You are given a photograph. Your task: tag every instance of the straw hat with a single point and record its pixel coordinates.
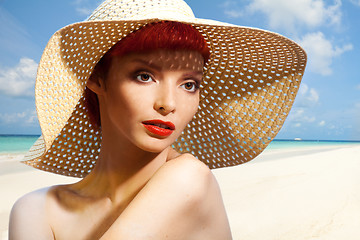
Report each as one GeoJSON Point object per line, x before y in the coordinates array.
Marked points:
{"type": "Point", "coordinates": [249, 86]}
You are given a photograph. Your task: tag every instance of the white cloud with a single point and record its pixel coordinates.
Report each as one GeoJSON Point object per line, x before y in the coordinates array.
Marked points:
{"type": "Point", "coordinates": [285, 14]}
{"type": "Point", "coordinates": [19, 80]}
{"type": "Point", "coordinates": [302, 112]}
{"type": "Point", "coordinates": [307, 97]}
{"type": "Point", "coordinates": [358, 87]}
{"type": "Point", "coordinates": [356, 2]}
{"type": "Point", "coordinates": [84, 11]}
{"type": "Point", "coordinates": [297, 125]}
{"type": "Point", "coordinates": [232, 10]}
{"type": "Point", "coordinates": [85, 7]}
{"type": "Point", "coordinates": [321, 52]}
{"type": "Point", "coordinates": [28, 118]}
{"type": "Point", "coordinates": [302, 115]}
{"type": "Point", "coordinates": [322, 123]}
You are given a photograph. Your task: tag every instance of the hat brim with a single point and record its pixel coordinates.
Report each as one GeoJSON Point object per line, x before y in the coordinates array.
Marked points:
{"type": "Point", "coordinates": [249, 86]}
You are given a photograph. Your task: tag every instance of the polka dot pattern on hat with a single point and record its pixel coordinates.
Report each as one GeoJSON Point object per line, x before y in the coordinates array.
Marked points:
{"type": "Point", "coordinates": [249, 86]}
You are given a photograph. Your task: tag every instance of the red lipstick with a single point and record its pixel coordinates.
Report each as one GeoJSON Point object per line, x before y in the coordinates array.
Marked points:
{"type": "Point", "coordinates": [159, 127]}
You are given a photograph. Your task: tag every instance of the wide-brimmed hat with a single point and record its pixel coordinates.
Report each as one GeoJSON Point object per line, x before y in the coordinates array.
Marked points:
{"type": "Point", "coordinates": [249, 85]}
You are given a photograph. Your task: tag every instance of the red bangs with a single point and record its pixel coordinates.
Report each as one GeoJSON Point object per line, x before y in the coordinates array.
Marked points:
{"type": "Point", "coordinates": [162, 35]}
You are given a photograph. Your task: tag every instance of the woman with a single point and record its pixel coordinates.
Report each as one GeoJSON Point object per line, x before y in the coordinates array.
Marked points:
{"type": "Point", "coordinates": [139, 105]}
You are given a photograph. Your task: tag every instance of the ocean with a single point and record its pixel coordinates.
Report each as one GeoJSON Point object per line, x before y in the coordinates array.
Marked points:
{"type": "Point", "coordinates": [285, 143]}
{"type": "Point", "coordinates": [18, 144]}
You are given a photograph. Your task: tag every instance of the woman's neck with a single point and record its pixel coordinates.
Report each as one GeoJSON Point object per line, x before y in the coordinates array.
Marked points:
{"type": "Point", "coordinates": [122, 169]}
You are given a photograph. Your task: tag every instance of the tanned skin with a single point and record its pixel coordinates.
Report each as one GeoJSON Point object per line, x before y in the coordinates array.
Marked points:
{"type": "Point", "coordinates": [140, 187]}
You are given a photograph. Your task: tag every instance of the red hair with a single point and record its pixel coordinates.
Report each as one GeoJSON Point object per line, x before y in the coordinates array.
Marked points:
{"type": "Point", "coordinates": [160, 35]}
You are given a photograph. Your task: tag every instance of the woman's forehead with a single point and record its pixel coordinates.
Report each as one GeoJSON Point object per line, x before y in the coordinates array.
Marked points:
{"type": "Point", "coordinates": [169, 59]}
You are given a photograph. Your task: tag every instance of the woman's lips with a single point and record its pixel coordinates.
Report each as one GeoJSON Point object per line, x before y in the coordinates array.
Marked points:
{"type": "Point", "coordinates": [159, 127]}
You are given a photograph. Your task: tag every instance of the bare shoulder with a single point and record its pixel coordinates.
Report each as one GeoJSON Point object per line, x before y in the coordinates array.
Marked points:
{"type": "Point", "coordinates": [28, 217]}
{"type": "Point", "coordinates": [187, 168]}
{"type": "Point", "coordinates": [185, 197]}
{"type": "Point", "coordinates": [198, 185]}
{"type": "Point", "coordinates": [185, 175]}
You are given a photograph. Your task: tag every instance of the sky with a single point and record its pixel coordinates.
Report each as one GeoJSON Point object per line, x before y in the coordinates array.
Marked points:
{"type": "Point", "coordinates": [327, 106]}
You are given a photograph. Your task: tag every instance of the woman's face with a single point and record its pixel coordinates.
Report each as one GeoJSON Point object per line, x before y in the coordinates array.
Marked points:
{"type": "Point", "coordinates": [148, 98]}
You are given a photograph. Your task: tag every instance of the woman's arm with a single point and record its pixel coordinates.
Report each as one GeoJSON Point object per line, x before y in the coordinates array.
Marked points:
{"type": "Point", "coordinates": [181, 201]}
{"type": "Point", "coordinates": [28, 218]}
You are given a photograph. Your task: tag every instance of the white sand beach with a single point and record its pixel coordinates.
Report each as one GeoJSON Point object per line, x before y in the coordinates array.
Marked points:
{"type": "Point", "coordinates": [308, 193]}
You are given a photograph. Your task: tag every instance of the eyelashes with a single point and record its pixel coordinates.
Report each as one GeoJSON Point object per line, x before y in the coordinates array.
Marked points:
{"type": "Point", "coordinates": [190, 84]}
{"type": "Point", "coordinates": [144, 77]}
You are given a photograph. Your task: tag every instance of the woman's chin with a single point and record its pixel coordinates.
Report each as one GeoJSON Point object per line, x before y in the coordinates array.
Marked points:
{"type": "Point", "coordinates": [155, 145]}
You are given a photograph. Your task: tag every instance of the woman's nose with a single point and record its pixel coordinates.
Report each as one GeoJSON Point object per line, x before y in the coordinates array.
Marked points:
{"type": "Point", "coordinates": [165, 100]}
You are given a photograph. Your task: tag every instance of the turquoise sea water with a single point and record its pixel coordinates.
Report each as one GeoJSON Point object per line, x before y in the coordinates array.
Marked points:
{"type": "Point", "coordinates": [22, 143]}
{"type": "Point", "coordinates": [16, 143]}
{"type": "Point", "coordinates": [280, 144]}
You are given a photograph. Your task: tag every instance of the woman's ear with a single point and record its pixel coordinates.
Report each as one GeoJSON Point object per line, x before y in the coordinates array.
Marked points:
{"type": "Point", "coordinates": [96, 84]}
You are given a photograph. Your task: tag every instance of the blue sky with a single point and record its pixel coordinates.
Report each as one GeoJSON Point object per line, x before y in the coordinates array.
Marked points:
{"type": "Point", "coordinates": [328, 103]}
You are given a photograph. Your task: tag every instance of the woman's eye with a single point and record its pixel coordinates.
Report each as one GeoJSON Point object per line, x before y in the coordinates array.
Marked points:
{"type": "Point", "coordinates": [144, 77]}
{"type": "Point", "coordinates": [190, 86]}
